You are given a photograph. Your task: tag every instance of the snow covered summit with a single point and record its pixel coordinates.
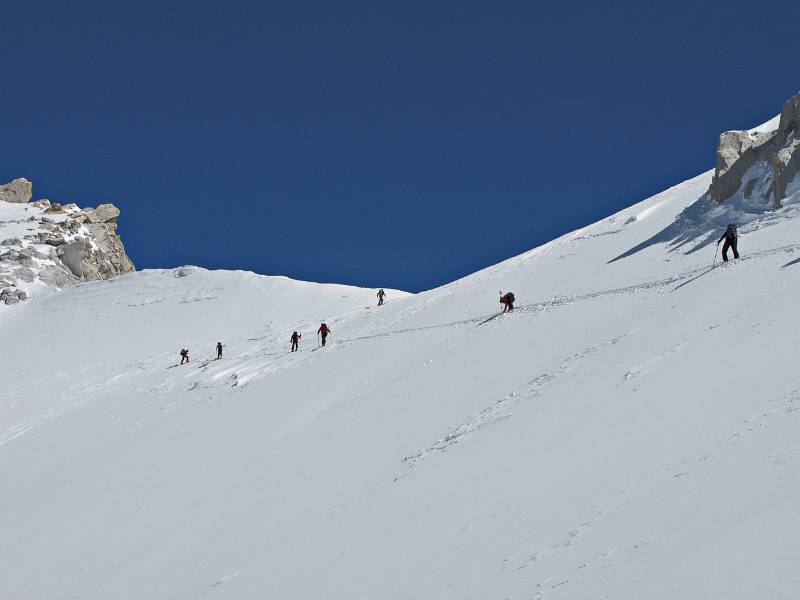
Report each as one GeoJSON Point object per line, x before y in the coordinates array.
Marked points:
{"type": "Point", "coordinates": [629, 431]}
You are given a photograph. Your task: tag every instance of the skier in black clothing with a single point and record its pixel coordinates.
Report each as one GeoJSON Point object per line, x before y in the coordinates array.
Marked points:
{"type": "Point", "coordinates": [381, 296]}
{"type": "Point", "coordinates": [295, 341]}
{"type": "Point", "coordinates": [219, 350]}
{"type": "Point", "coordinates": [731, 237]}
{"type": "Point", "coordinates": [507, 300]}
{"type": "Point", "coordinates": [184, 355]}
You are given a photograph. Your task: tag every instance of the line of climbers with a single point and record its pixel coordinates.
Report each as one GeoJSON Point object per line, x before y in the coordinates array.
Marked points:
{"type": "Point", "coordinates": [730, 235]}
{"type": "Point", "coordinates": [322, 334]}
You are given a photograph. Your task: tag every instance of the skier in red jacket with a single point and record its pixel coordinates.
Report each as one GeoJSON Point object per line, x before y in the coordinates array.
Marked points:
{"type": "Point", "coordinates": [324, 331]}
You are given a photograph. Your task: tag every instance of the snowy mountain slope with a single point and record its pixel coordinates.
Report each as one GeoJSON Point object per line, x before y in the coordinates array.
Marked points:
{"type": "Point", "coordinates": [629, 431]}
{"type": "Point", "coordinates": [128, 332]}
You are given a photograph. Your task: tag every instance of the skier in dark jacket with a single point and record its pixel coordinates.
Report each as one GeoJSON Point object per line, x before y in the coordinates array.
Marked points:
{"type": "Point", "coordinates": [219, 350]}
{"type": "Point", "coordinates": [324, 331]}
{"type": "Point", "coordinates": [731, 237]}
{"type": "Point", "coordinates": [184, 355]}
{"type": "Point", "coordinates": [295, 341]}
{"type": "Point", "coordinates": [381, 296]}
{"type": "Point", "coordinates": [507, 300]}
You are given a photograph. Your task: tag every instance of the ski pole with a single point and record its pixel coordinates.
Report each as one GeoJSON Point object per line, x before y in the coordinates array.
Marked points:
{"type": "Point", "coordinates": [715, 256]}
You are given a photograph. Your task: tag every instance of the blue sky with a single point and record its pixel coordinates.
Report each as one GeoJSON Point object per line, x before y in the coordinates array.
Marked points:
{"type": "Point", "coordinates": [379, 144]}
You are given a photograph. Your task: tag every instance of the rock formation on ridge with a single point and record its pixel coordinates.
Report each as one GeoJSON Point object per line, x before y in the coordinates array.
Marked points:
{"type": "Point", "coordinates": [45, 243]}
{"type": "Point", "coordinates": [760, 164]}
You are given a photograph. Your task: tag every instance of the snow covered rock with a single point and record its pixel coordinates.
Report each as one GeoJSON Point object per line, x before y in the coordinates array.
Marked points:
{"type": "Point", "coordinates": [57, 245]}
{"type": "Point", "coordinates": [18, 191]}
{"type": "Point", "coordinates": [761, 163]}
{"type": "Point", "coordinates": [737, 151]}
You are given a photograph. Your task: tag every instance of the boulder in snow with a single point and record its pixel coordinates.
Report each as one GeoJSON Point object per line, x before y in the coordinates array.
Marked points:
{"type": "Point", "coordinates": [105, 213]}
{"type": "Point", "coordinates": [18, 191]}
{"type": "Point", "coordinates": [72, 255]}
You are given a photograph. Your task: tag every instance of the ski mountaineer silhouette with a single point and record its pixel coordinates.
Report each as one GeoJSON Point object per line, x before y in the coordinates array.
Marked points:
{"type": "Point", "coordinates": [324, 331]}
{"type": "Point", "coordinates": [381, 296]}
{"type": "Point", "coordinates": [219, 350]}
{"type": "Point", "coordinates": [731, 237]}
{"type": "Point", "coordinates": [296, 341]}
{"type": "Point", "coordinates": [507, 300]}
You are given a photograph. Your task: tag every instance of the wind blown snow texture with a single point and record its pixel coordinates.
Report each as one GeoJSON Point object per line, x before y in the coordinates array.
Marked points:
{"type": "Point", "coordinates": [629, 431]}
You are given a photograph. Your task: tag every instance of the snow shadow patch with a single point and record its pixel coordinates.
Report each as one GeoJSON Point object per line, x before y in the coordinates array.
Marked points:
{"type": "Point", "coordinates": [791, 262]}
{"type": "Point", "coordinates": [704, 221]}
{"type": "Point", "coordinates": [696, 227]}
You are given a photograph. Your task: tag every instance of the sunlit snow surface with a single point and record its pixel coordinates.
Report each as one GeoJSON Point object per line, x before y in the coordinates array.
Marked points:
{"type": "Point", "coordinates": [630, 431]}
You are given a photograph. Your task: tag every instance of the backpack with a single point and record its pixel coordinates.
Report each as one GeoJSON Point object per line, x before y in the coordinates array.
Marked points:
{"type": "Point", "coordinates": [731, 232]}
{"type": "Point", "coordinates": [510, 297]}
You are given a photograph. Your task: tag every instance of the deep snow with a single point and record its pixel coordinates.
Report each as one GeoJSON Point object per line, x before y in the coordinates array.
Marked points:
{"type": "Point", "coordinates": [629, 431]}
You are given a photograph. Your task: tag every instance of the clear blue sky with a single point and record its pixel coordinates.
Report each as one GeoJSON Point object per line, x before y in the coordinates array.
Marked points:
{"type": "Point", "coordinates": [400, 144]}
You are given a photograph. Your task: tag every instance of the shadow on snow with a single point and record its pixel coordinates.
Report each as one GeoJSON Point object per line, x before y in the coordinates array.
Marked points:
{"type": "Point", "coordinates": [696, 226]}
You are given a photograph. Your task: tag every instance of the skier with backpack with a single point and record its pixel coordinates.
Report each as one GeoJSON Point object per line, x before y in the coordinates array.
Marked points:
{"type": "Point", "coordinates": [507, 300]}
{"type": "Point", "coordinates": [219, 350]}
{"type": "Point", "coordinates": [731, 237]}
{"type": "Point", "coordinates": [296, 341]}
{"type": "Point", "coordinates": [381, 296]}
{"type": "Point", "coordinates": [324, 331]}
{"type": "Point", "coordinates": [184, 355]}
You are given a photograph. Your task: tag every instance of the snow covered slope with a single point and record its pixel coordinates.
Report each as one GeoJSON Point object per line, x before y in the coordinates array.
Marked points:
{"type": "Point", "coordinates": [629, 431]}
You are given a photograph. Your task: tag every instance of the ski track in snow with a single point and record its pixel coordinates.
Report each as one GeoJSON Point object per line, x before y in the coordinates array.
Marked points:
{"type": "Point", "coordinates": [500, 409]}
{"type": "Point", "coordinates": [261, 360]}
{"type": "Point", "coordinates": [720, 443]}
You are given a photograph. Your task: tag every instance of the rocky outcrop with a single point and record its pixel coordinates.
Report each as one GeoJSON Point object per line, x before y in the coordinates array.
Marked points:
{"type": "Point", "coordinates": [105, 213]}
{"type": "Point", "coordinates": [18, 191]}
{"type": "Point", "coordinates": [105, 257]}
{"type": "Point", "coordinates": [786, 160]}
{"type": "Point", "coordinates": [766, 162]}
{"type": "Point", "coordinates": [64, 245]}
{"type": "Point", "coordinates": [12, 295]}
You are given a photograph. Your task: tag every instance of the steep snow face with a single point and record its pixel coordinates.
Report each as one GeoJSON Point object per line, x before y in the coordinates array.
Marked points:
{"type": "Point", "coordinates": [630, 430]}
